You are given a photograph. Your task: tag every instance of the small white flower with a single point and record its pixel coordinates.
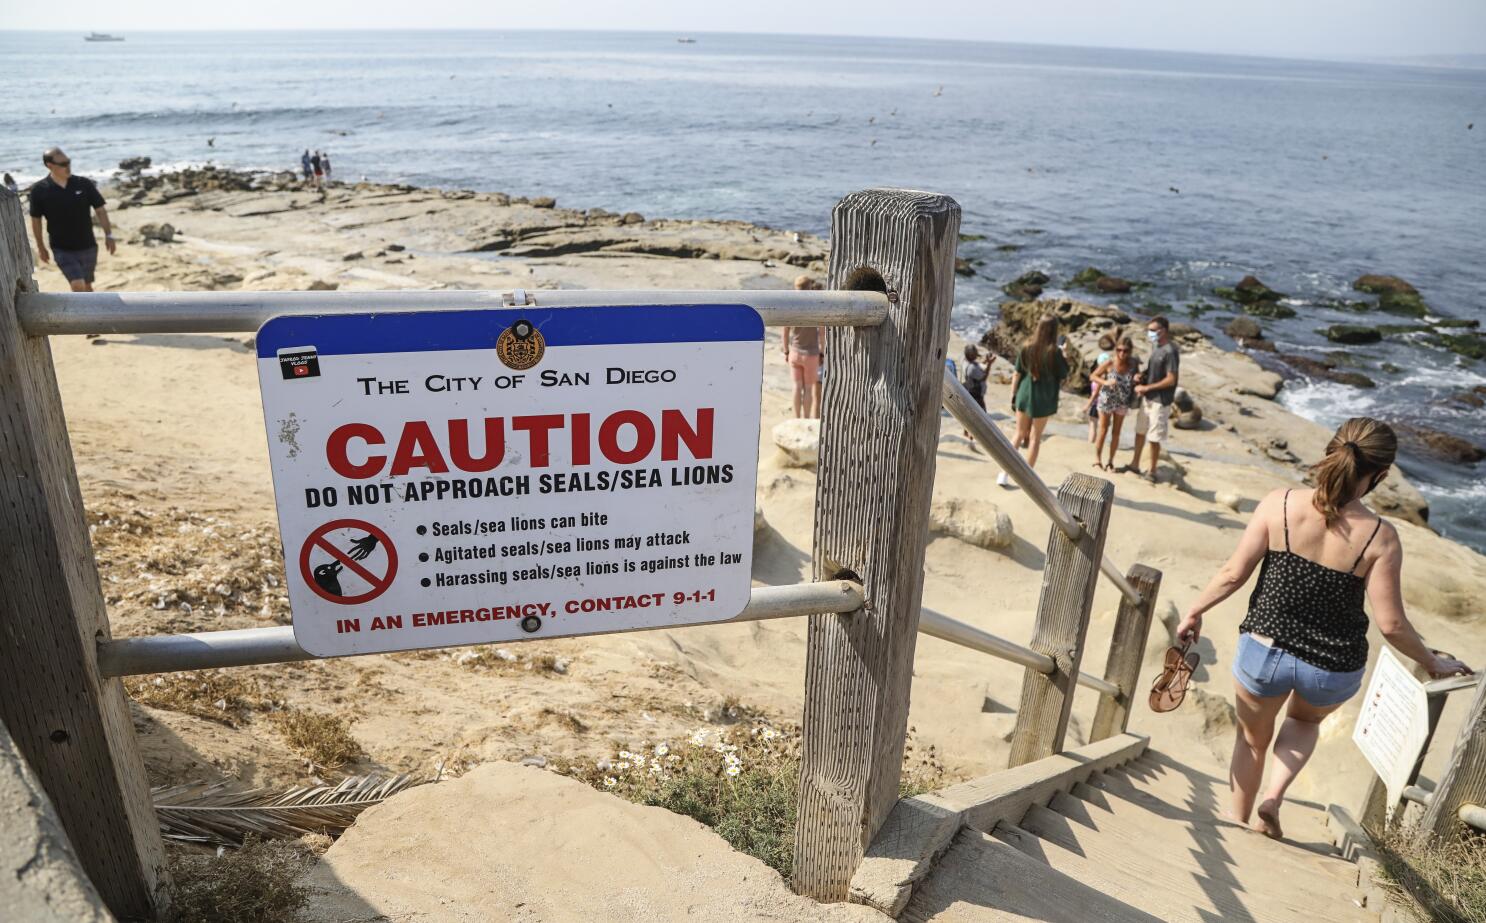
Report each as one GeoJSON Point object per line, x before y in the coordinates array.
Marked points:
{"type": "Point", "coordinates": [734, 770]}
{"type": "Point", "coordinates": [662, 749]}
{"type": "Point", "coordinates": [673, 759]}
{"type": "Point", "coordinates": [626, 755]}
{"type": "Point", "coordinates": [610, 781]}
{"type": "Point", "coordinates": [699, 738]}
{"type": "Point", "coordinates": [655, 769]}
{"type": "Point", "coordinates": [770, 733]}
{"type": "Point", "coordinates": [622, 764]}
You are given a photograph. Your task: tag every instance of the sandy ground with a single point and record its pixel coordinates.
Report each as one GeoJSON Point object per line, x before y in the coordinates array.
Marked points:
{"type": "Point", "coordinates": [168, 435]}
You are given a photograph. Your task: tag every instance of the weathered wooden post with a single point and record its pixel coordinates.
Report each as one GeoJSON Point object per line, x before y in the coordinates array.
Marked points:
{"type": "Point", "coordinates": [879, 434]}
{"type": "Point", "coordinates": [1465, 781]}
{"type": "Point", "coordinates": [70, 725]}
{"type": "Point", "coordinates": [1127, 645]}
{"type": "Point", "coordinates": [1068, 580]}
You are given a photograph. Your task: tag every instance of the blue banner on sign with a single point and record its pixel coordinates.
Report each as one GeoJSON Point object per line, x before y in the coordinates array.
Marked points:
{"type": "Point", "coordinates": [424, 331]}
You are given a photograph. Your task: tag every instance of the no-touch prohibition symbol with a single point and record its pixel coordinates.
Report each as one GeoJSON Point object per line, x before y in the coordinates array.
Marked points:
{"type": "Point", "coordinates": [324, 579]}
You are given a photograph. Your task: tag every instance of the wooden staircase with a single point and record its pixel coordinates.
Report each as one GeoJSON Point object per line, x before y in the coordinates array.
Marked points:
{"type": "Point", "coordinates": [1141, 842]}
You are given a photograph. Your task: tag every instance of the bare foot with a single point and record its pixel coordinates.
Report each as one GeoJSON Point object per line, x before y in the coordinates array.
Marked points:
{"type": "Point", "coordinates": [1267, 819]}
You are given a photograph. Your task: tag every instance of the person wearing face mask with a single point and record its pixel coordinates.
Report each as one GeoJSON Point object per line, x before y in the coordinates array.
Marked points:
{"type": "Point", "coordinates": [1155, 395]}
{"type": "Point", "coordinates": [1303, 645]}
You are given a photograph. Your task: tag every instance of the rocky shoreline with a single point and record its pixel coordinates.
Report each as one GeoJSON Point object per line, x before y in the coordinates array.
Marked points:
{"type": "Point", "coordinates": [401, 236]}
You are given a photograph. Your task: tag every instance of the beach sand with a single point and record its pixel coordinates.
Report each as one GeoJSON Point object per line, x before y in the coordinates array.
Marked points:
{"type": "Point", "coordinates": [167, 432]}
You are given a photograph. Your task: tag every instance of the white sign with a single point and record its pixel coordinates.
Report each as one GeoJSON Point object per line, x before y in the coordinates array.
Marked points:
{"type": "Point", "coordinates": [1393, 724]}
{"type": "Point", "coordinates": [457, 477]}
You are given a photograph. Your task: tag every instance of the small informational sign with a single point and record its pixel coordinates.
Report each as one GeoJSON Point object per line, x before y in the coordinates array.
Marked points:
{"type": "Point", "coordinates": [457, 477]}
{"type": "Point", "coordinates": [1393, 724]}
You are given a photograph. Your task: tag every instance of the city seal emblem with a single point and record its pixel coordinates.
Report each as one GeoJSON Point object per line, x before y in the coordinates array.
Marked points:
{"type": "Point", "coordinates": [520, 346]}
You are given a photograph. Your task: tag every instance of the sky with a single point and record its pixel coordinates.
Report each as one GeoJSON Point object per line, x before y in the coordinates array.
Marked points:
{"type": "Point", "coordinates": [1292, 28]}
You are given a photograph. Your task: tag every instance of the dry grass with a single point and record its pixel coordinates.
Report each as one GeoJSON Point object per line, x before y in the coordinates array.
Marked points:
{"type": "Point", "coordinates": [227, 697]}
{"type": "Point", "coordinates": [1447, 878]}
{"type": "Point", "coordinates": [191, 569]}
{"type": "Point", "coordinates": [741, 780]}
{"type": "Point", "coordinates": [255, 884]}
{"type": "Point", "coordinates": [324, 740]}
{"type": "Point", "coordinates": [503, 660]}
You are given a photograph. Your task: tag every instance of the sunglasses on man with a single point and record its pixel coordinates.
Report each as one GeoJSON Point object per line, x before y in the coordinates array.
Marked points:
{"type": "Point", "coordinates": [60, 163]}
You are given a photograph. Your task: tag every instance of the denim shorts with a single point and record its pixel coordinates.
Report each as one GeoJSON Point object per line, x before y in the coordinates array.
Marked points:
{"type": "Point", "coordinates": [77, 264]}
{"type": "Point", "coordinates": [1268, 671]}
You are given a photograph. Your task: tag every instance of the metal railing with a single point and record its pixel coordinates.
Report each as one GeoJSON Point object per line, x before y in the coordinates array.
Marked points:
{"type": "Point", "coordinates": [974, 418]}
{"type": "Point", "coordinates": [248, 646]}
{"type": "Point", "coordinates": [44, 314]}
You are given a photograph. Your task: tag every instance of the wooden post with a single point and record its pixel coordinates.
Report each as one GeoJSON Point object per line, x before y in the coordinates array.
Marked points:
{"type": "Point", "coordinates": [1375, 802]}
{"type": "Point", "coordinates": [1068, 580]}
{"type": "Point", "coordinates": [879, 435]}
{"type": "Point", "coordinates": [71, 726]}
{"type": "Point", "coordinates": [1465, 780]}
{"type": "Point", "coordinates": [1126, 650]}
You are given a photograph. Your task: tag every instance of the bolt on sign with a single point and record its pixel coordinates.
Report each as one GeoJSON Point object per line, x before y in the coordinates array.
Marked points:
{"type": "Point", "coordinates": [458, 477]}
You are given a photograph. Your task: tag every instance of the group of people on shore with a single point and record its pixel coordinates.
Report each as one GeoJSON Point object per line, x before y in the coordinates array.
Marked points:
{"type": "Point", "coordinates": [316, 167]}
{"type": "Point", "coordinates": [1119, 384]}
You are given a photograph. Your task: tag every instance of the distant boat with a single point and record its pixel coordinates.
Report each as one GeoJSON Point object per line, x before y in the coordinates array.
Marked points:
{"type": "Point", "coordinates": [102, 37]}
{"type": "Point", "coordinates": [687, 41]}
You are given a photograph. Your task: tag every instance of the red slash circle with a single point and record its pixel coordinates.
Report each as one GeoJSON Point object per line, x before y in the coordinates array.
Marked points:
{"type": "Point", "coordinates": [317, 538]}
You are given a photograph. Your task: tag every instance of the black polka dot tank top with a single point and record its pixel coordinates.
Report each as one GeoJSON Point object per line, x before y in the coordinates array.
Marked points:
{"type": "Point", "coordinates": [1311, 610]}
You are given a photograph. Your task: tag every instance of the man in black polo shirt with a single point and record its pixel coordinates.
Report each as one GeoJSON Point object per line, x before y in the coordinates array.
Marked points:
{"type": "Point", "coordinates": [65, 201]}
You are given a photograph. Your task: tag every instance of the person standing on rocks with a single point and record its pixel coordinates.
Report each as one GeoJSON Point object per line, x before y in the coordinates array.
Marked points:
{"type": "Point", "coordinates": [325, 164]}
{"type": "Point", "coordinates": [1303, 645]}
{"type": "Point", "coordinates": [1040, 369]}
{"type": "Point", "coordinates": [305, 165]}
{"type": "Point", "coordinates": [68, 204]}
{"type": "Point", "coordinates": [803, 350]}
{"type": "Point", "coordinates": [1155, 395]}
{"type": "Point", "coordinates": [317, 165]}
{"type": "Point", "coordinates": [1114, 379]}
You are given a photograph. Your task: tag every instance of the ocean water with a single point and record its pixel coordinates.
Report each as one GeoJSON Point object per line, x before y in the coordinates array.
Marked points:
{"type": "Point", "coordinates": [1184, 171]}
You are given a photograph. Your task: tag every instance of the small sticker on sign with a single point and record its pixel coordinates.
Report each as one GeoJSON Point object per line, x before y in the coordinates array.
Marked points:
{"type": "Point", "coordinates": [299, 362]}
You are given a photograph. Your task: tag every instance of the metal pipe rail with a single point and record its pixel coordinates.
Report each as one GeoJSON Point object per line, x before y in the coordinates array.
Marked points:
{"type": "Point", "coordinates": [1473, 815]}
{"type": "Point", "coordinates": [51, 314]}
{"type": "Point", "coordinates": [1451, 684]}
{"type": "Point", "coordinates": [945, 628]}
{"type": "Point", "coordinates": [248, 646]}
{"type": "Point", "coordinates": [1417, 794]}
{"type": "Point", "coordinates": [971, 416]}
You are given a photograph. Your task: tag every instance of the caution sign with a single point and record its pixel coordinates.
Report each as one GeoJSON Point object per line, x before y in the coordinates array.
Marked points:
{"type": "Point", "coordinates": [456, 477]}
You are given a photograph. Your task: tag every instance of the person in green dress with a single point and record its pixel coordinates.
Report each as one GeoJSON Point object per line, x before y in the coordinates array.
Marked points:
{"type": "Point", "coordinates": [1040, 369]}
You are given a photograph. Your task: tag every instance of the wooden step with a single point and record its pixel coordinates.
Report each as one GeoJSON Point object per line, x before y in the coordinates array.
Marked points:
{"type": "Point", "coordinates": [1209, 848]}
{"type": "Point", "coordinates": [1153, 849]}
{"type": "Point", "coordinates": [982, 880]}
{"type": "Point", "coordinates": [1125, 869]}
{"type": "Point", "coordinates": [1305, 826]}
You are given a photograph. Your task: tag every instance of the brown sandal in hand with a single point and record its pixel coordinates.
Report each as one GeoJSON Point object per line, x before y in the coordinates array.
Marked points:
{"type": "Point", "coordinates": [1170, 688]}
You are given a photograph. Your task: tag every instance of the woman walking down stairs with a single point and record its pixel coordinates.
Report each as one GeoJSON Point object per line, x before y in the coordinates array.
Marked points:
{"type": "Point", "coordinates": [1141, 842]}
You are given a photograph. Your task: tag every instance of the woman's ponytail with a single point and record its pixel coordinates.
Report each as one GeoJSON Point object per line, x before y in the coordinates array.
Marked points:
{"type": "Point", "coordinates": [1360, 449]}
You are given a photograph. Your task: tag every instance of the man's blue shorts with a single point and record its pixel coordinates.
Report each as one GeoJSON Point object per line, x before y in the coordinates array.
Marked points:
{"type": "Point", "coordinates": [77, 264]}
{"type": "Point", "coordinates": [1268, 671]}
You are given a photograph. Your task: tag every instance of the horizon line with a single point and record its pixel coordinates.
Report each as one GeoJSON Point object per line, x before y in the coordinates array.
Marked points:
{"type": "Point", "coordinates": [1404, 60]}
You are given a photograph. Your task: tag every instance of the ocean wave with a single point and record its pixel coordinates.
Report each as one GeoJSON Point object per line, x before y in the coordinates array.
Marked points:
{"type": "Point", "coordinates": [192, 117]}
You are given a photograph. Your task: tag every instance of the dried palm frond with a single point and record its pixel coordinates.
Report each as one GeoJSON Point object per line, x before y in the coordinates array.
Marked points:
{"type": "Point", "coordinates": [218, 815]}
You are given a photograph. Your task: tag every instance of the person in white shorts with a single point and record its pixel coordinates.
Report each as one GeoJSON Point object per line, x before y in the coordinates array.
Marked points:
{"type": "Point", "coordinates": [1156, 395]}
